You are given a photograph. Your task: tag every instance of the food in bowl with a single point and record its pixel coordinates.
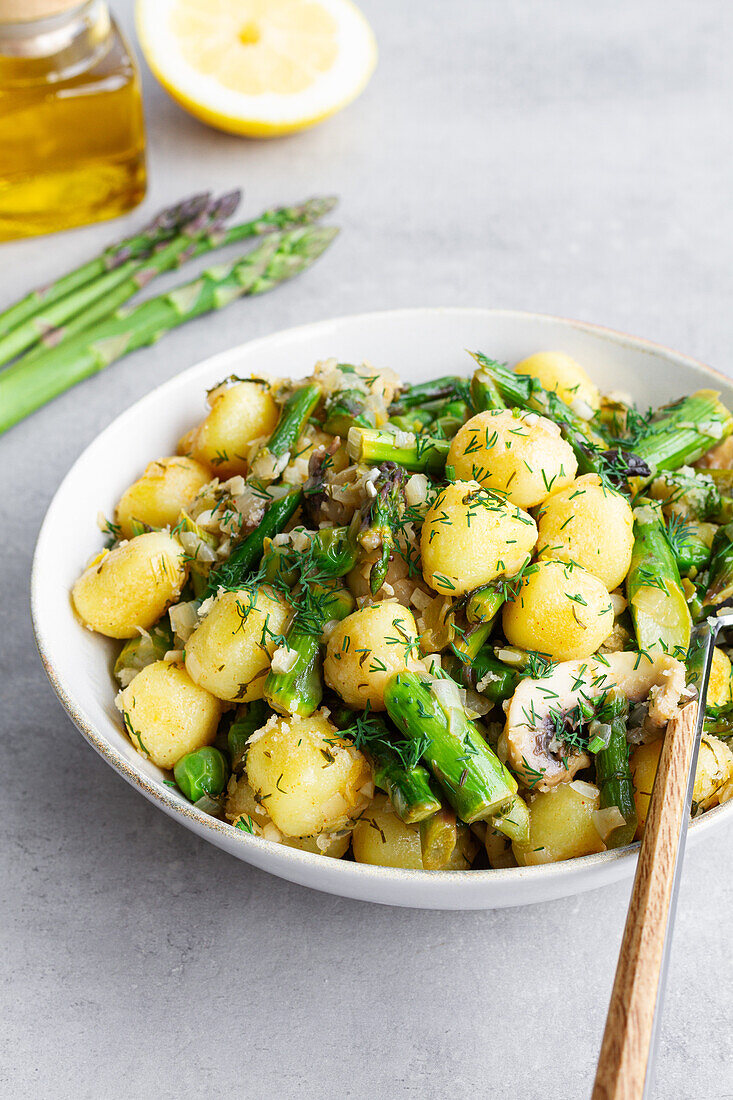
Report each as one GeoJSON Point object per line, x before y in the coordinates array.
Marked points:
{"type": "Point", "coordinates": [435, 626]}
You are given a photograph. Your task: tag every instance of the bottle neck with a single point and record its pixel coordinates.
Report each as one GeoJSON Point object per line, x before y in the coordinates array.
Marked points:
{"type": "Point", "coordinates": [56, 47]}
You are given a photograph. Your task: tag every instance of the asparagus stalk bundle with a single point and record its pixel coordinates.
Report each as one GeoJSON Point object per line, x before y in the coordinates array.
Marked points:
{"type": "Point", "coordinates": [26, 386]}
{"type": "Point", "coordinates": [163, 227]}
{"type": "Point", "coordinates": [93, 302]}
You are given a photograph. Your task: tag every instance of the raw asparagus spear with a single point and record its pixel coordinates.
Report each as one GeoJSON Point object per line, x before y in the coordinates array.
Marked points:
{"type": "Point", "coordinates": [476, 783]}
{"type": "Point", "coordinates": [165, 225]}
{"type": "Point", "coordinates": [26, 386]}
{"type": "Point", "coordinates": [656, 600]}
{"type": "Point", "coordinates": [419, 453]}
{"type": "Point", "coordinates": [613, 773]}
{"type": "Point", "coordinates": [194, 242]}
{"type": "Point", "coordinates": [96, 300]}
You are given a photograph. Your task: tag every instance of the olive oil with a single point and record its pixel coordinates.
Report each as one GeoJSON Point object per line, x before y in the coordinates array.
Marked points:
{"type": "Point", "coordinates": [72, 139]}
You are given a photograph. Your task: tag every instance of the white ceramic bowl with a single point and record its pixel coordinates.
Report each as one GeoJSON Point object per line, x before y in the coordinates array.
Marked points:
{"type": "Point", "coordinates": [419, 344]}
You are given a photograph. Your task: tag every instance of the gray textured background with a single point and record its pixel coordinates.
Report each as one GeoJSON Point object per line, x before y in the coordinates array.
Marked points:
{"type": "Point", "coordinates": [567, 157]}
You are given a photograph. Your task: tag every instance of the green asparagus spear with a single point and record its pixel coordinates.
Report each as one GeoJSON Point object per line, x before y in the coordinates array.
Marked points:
{"type": "Point", "coordinates": [420, 453]}
{"type": "Point", "coordinates": [682, 432]}
{"type": "Point", "coordinates": [249, 718]}
{"type": "Point", "coordinates": [690, 545]}
{"type": "Point", "coordinates": [613, 773]}
{"type": "Point", "coordinates": [414, 420]}
{"type": "Point", "coordinates": [450, 387]}
{"type": "Point", "coordinates": [485, 393]}
{"type": "Point", "coordinates": [718, 584]}
{"type": "Point", "coordinates": [294, 415]}
{"type": "Point", "coordinates": [438, 838]}
{"type": "Point", "coordinates": [476, 783]}
{"type": "Point", "coordinates": [409, 789]}
{"type": "Point", "coordinates": [26, 386]}
{"type": "Point", "coordinates": [656, 600]}
{"type": "Point", "coordinates": [233, 572]}
{"type": "Point", "coordinates": [482, 607]}
{"type": "Point", "coordinates": [382, 517]}
{"type": "Point", "coordinates": [192, 241]}
{"type": "Point", "coordinates": [163, 227]}
{"type": "Point", "coordinates": [96, 300]}
{"type": "Point", "coordinates": [299, 690]}
{"type": "Point", "coordinates": [394, 763]}
{"type": "Point", "coordinates": [498, 681]}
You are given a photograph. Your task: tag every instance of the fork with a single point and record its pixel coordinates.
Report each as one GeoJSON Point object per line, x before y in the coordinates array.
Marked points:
{"type": "Point", "coordinates": [625, 1064]}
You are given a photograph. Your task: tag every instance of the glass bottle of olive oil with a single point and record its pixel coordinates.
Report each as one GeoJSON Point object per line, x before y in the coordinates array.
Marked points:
{"type": "Point", "coordinates": [72, 139]}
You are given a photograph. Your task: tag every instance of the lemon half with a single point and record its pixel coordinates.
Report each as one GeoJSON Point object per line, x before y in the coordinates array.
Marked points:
{"type": "Point", "coordinates": [258, 67]}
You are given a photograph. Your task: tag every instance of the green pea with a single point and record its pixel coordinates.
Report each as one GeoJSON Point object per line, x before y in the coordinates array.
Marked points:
{"type": "Point", "coordinates": [204, 772]}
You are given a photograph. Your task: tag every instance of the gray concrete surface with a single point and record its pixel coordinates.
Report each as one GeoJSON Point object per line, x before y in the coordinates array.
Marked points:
{"type": "Point", "coordinates": [572, 158]}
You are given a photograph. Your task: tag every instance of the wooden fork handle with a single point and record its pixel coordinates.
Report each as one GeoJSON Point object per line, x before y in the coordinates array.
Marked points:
{"type": "Point", "coordinates": [629, 1026]}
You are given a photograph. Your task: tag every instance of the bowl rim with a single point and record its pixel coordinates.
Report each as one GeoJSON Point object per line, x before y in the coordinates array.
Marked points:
{"type": "Point", "coordinates": [280, 854]}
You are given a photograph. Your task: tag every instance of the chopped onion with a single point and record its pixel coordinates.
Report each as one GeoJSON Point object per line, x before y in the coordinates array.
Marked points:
{"type": "Point", "coordinates": [184, 619]}
{"type": "Point", "coordinates": [600, 731]}
{"type": "Point", "coordinates": [587, 790]}
{"type": "Point", "coordinates": [416, 489]}
{"type": "Point", "coordinates": [607, 820]}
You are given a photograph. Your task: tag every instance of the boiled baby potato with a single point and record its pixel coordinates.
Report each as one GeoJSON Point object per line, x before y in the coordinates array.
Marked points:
{"type": "Point", "coordinates": [229, 653]}
{"type": "Point", "coordinates": [471, 536]}
{"type": "Point", "coordinates": [559, 610]}
{"type": "Point", "coordinates": [519, 454]}
{"type": "Point", "coordinates": [562, 375]}
{"type": "Point", "coordinates": [713, 777]}
{"type": "Point", "coordinates": [131, 586]}
{"type": "Point", "coordinates": [243, 810]}
{"type": "Point", "coordinates": [166, 715]}
{"type": "Point", "coordinates": [366, 648]}
{"type": "Point", "coordinates": [239, 414]}
{"type": "Point", "coordinates": [720, 692]}
{"type": "Point", "coordinates": [309, 779]}
{"type": "Point", "coordinates": [382, 838]}
{"type": "Point", "coordinates": [561, 825]}
{"type": "Point", "coordinates": [156, 498]}
{"type": "Point", "coordinates": [590, 524]}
